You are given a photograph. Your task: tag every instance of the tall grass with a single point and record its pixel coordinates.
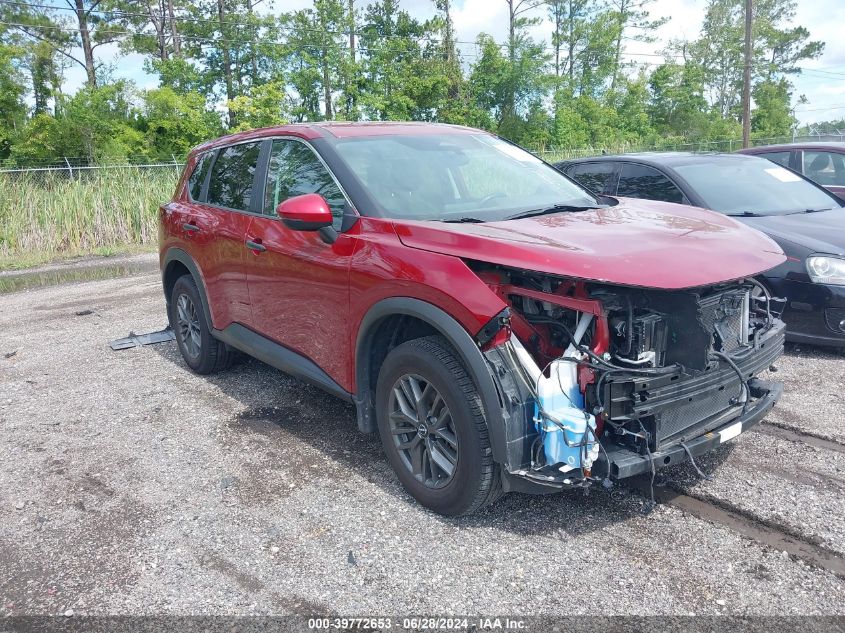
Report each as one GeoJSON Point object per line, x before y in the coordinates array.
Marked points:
{"type": "Point", "coordinates": [52, 214]}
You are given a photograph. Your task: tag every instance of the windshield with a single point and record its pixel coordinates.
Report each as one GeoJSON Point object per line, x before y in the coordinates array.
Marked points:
{"type": "Point", "coordinates": [456, 177]}
{"type": "Point", "coordinates": [756, 186]}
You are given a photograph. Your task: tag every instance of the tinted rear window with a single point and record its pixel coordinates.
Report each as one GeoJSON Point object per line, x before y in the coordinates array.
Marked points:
{"type": "Point", "coordinates": [826, 168]}
{"type": "Point", "coordinates": [640, 181]}
{"type": "Point", "coordinates": [781, 158]}
{"type": "Point", "coordinates": [232, 176]}
{"type": "Point", "coordinates": [594, 176]}
{"type": "Point", "coordinates": [198, 176]}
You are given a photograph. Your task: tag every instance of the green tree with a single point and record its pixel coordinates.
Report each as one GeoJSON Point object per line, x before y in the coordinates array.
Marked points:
{"type": "Point", "coordinates": [154, 27]}
{"type": "Point", "coordinates": [180, 74]}
{"type": "Point", "coordinates": [570, 21]}
{"type": "Point", "coordinates": [224, 42]}
{"type": "Point", "coordinates": [266, 105]}
{"type": "Point", "coordinates": [173, 123]}
{"type": "Point", "coordinates": [595, 63]}
{"type": "Point", "coordinates": [12, 92]}
{"type": "Point", "coordinates": [45, 75]}
{"type": "Point", "coordinates": [633, 22]}
{"type": "Point", "coordinates": [301, 64]}
{"type": "Point", "coordinates": [401, 77]}
{"type": "Point", "coordinates": [772, 115]}
{"type": "Point", "coordinates": [777, 48]}
{"type": "Point", "coordinates": [100, 124]}
{"type": "Point", "coordinates": [677, 105]}
{"type": "Point", "coordinates": [509, 85]}
{"type": "Point", "coordinates": [316, 52]}
{"type": "Point", "coordinates": [456, 105]}
{"type": "Point", "coordinates": [630, 100]}
{"type": "Point", "coordinates": [44, 46]}
{"type": "Point", "coordinates": [351, 80]}
{"type": "Point", "coordinates": [583, 44]}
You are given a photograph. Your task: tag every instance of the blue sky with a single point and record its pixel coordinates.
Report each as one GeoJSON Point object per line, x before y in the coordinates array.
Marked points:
{"type": "Point", "coordinates": [823, 83]}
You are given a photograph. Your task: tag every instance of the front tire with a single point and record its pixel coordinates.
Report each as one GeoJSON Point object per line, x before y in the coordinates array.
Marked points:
{"type": "Point", "coordinates": [433, 429]}
{"type": "Point", "coordinates": [203, 353]}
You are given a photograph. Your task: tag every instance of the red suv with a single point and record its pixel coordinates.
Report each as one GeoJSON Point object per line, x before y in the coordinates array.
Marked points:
{"type": "Point", "coordinates": [502, 327]}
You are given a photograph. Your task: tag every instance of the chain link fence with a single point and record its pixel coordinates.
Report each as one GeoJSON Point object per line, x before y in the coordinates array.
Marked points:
{"type": "Point", "coordinates": [51, 173]}
{"type": "Point", "coordinates": [718, 145]}
{"type": "Point", "coordinates": [72, 206]}
{"type": "Point", "coordinates": [83, 168]}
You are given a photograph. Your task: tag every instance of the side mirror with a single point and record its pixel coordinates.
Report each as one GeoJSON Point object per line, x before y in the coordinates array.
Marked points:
{"type": "Point", "coordinates": [308, 212]}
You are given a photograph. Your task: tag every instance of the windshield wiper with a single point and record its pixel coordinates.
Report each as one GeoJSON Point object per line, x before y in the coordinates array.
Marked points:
{"type": "Point", "coordinates": [745, 214]}
{"type": "Point", "coordinates": [558, 208]}
{"type": "Point", "coordinates": [467, 220]}
{"type": "Point", "coordinates": [817, 210]}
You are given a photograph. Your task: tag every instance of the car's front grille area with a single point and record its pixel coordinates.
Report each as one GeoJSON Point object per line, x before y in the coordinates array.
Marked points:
{"type": "Point", "coordinates": [723, 316]}
{"type": "Point", "coordinates": [674, 408]}
{"type": "Point", "coordinates": [673, 423]}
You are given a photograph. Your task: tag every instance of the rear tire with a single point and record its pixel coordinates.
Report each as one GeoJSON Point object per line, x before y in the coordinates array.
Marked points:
{"type": "Point", "coordinates": [203, 353]}
{"type": "Point", "coordinates": [433, 429]}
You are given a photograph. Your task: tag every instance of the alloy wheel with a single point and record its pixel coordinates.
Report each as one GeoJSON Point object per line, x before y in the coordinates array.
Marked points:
{"type": "Point", "coordinates": [423, 431]}
{"type": "Point", "coordinates": [188, 323]}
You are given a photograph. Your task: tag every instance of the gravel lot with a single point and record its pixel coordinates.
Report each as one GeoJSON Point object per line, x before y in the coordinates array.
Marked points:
{"type": "Point", "coordinates": [129, 485]}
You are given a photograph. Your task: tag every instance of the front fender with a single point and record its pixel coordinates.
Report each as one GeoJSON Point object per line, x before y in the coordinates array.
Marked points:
{"type": "Point", "coordinates": [458, 338]}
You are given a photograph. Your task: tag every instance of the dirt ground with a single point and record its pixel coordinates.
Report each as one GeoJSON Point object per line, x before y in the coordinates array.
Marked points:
{"type": "Point", "coordinates": [128, 485]}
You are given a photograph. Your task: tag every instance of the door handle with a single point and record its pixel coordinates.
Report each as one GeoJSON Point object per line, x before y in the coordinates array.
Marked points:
{"type": "Point", "coordinates": [191, 228]}
{"type": "Point", "coordinates": [255, 246]}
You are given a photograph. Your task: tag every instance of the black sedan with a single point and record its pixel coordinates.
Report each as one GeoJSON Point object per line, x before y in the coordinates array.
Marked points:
{"type": "Point", "coordinates": [806, 220]}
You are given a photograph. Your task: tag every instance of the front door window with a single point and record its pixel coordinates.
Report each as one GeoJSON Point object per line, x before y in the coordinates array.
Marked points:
{"type": "Point", "coordinates": [295, 170]}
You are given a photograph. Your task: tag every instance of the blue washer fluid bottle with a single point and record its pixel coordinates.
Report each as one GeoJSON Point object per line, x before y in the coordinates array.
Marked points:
{"type": "Point", "coordinates": [560, 400]}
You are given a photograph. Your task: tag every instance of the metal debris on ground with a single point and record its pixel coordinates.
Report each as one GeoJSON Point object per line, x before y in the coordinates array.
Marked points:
{"type": "Point", "coordinates": [151, 338]}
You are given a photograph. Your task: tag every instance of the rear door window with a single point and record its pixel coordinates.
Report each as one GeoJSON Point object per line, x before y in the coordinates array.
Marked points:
{"type": "Point", "coordinates": [640, 181]}
{"type": "Point", "coordinates": [197, 179]}
{"type": "Point", "coordinates": [825, 168]}
{"type": "Point", "coordinates": [233, 175]}
{"type": "Point", "coordinates": [781, 158]}
{"type": "Point", "coordinates": [596, 177]}
{"type": "Point", "coordinates": [295, 170]}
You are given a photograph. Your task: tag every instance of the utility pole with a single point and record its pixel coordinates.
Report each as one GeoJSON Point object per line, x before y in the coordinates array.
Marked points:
{"type": "Point", "coordinates": [351, 18]}
{"type": "Point", "coordinates": [746, 79]}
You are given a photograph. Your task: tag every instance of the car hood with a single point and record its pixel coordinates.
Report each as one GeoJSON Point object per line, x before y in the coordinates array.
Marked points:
{"type": "Point", "coordinates": [821, 232]}
{"type": "Point", "coordinates": [635, 243]}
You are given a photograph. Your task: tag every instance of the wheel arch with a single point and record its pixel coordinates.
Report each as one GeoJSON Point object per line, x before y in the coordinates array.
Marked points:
{"type": "Point", "coordinates": [176, 263]}
{"type": "Point", "coordinates": [376, 336]}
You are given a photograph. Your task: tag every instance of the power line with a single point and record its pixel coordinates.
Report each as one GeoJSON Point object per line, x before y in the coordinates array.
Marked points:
{"type": "Point", "coordinates": [823, 73]}
{"type": "Point", "coordinates": [833, 107]}
{"type": "Point", "coordinates": [264, 42]}
{"type": "Point", "coordinates": [193, 20]}
{"type": "Point", "coordinates": [197, 38]}
{"type": "Point", "coordinates": [816, 72]}
{"type": "Point", "coordinates": [282, 28]}
{"type": "Point", "coordinates": [261, 22]}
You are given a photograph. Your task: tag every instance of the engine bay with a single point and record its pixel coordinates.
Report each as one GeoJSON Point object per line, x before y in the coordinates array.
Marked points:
{"type": "Point", "coordinates": [599, 370]}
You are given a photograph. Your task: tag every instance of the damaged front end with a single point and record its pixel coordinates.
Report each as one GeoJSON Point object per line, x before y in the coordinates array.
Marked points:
{"type": "Point", "coordinates": [605, 382]}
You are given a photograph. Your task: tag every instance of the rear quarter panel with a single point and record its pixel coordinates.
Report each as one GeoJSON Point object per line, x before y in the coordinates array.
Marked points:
{"type": "Point", "coordinates": [169, 231]}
